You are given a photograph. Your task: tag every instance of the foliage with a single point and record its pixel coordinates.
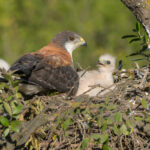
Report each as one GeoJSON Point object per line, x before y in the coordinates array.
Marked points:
{"type": "Point", "coordinates": [11, 105]}
{"type": "Point", "coordinates": [141, 37]}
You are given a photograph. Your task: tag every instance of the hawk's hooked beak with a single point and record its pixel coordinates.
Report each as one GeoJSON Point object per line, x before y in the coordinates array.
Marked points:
{"type": "Point", "coordinates": [82, 42]}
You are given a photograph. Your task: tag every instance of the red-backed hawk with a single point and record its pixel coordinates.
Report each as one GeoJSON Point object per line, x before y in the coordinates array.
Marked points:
{"type": "Point", "coordinates": [103, 77]}
{"type": "Point", "coordinates": [51, 67]}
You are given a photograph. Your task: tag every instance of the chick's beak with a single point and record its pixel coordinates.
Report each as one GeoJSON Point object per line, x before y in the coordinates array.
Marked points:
{"type": "Point", "coordinates": [82, 42]}
{"type": "Point", "coordinates": [100, 62]}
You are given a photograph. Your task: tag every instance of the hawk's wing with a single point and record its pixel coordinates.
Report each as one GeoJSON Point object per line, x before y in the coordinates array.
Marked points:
{"type": "Point", "coordinates": [50, 72]}
{"type": "Point", "coordinates": [26, 64]}
{"type": "Point", "coordinates": [54, 73]}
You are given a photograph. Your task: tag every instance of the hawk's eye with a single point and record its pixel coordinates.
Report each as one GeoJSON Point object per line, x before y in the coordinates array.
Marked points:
{"type": "Point", "coordinates": [108, 62]}
{"type": "Point", "coordinates": [71, 38]}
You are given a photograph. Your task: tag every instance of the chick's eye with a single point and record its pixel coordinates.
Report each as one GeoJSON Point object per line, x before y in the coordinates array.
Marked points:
{"type": "Point", "coordinates": [108, 62]}
{"type": "Point", "coordinates": [71, 38]}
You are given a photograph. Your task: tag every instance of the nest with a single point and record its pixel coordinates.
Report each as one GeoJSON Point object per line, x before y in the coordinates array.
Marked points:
{"type": "Point", "coordinates": [119, 119]}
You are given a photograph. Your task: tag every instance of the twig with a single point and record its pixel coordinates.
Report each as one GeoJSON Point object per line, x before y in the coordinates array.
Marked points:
{"type": "Point", "coordinates": [144, 78]}
{"type": "Point", "coordinates": [84, 72]}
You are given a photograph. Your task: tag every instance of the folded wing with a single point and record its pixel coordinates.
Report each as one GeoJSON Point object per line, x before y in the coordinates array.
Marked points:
{"type": "Point", "coordinates": [52, 72]}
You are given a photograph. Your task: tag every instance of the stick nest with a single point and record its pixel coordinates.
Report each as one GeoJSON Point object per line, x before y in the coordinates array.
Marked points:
{"type": "Point", "coordinates": [119, 119]}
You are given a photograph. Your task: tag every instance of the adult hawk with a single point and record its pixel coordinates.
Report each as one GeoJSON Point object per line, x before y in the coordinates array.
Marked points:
{"type": "Point", "coordinates": [51, 67]}
{"type": "Point", "coordinates": [103, 77]}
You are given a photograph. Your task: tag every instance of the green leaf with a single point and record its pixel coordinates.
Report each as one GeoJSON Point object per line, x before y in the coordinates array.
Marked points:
{"type": "Point", "coordinates": [1, 108]}
{"type": "Point", "coordinates": [138, 59]}
{"type": "Point", "coordinates": [138, 26]}
{"type": "Point", "coordinates": [134, 40]}
{"type": "Point", "coordinates": [139, 118]}
{"type": "Point", "coordinates": [128, 36]}
{"type": "Point", "coordinates": [116, 130]}
{"type": "Point", "coordinates": [9, 98]}
{"type": "Point", "coordinates": [7, 108]}
{"type": "Point", "coordinates": [18, 95]}
{"type": "Point", "coordinates": [4, 121]}
{"type": "Point", "coordinates": [129, 124]}
{"type": "Point", "coordinates": [15, 125]}
{"type": "Point", "coordinates": [145, 38]}
{"type": "Point", "coordinates": [124, 130]}
{"type": "Point", "coordinates": [99, 122]}
{"type": "Point", "coordinates": [2, 86]}
{"type": "Point", "coordinates": [17, 109]}
{"type": "Point", "coordinates": [109, 121]}
{"type": "Point", "coordinates": [118, 117]}
{"type": "Point", "coordinates": [66, 124]}
{"type": "Point", "coordinates": [133, 54]}
{"type": "Point", "coordinates": [104, 138]}
{"type": "Point", "coordinates": [107, 101]}
{"type": "Point", "coordinates": [96, 136]}
{"type": "Point", "coordinates": [148, 119]}
{"type": "Point", "coordinates": [144, 48]}
{"type": "Point", "coordinates": [106, 147]}
{"type": "Point", "coordinates": [84, 143]}
{"type": "Point", "coordinates": [144, 103]}
{"type": "Point", "coordinates": [101, 110]}
{"type": "Point", "coordinates": [104, 127]}
{"type": "Point", "coordinates": [6, 76]}
{"type": "Point", "coordinates": [111, 107]}
{"type": "Point", "coordinates": [6, 132]}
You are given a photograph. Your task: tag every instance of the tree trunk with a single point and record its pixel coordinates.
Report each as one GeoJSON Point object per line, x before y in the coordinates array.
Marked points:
{"type": "Point", "coordinates": [141, 9]}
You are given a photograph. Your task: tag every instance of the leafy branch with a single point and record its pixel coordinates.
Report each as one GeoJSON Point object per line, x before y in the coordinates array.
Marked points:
{"type": "Point", "coordinates": [11, 106]}
{"type": "Point", "coordinates": [139, 35]}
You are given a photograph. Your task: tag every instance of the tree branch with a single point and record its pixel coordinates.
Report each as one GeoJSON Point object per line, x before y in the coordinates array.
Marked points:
{"type": "Point", "coordinates": [141, 9]}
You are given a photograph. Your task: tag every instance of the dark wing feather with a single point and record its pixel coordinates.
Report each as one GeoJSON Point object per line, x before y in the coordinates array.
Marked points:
{"type": "Point", "coordinates": [55, 77]}
{"type": "Point", "coordinates": [26, 64]}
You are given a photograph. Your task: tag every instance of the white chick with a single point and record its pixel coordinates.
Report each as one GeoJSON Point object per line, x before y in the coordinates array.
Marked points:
{"type": "Point", "coordinates": [103, 77]}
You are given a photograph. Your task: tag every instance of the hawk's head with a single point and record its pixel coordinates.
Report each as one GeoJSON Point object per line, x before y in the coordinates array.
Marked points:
{"type": "Point", "coordinates": [107, 63]}
{"type": "Point", "coordinates": [68, 40]}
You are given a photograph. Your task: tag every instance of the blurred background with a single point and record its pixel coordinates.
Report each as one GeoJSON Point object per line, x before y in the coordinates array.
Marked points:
{"type": "Point", "coordinates": [26, 26]}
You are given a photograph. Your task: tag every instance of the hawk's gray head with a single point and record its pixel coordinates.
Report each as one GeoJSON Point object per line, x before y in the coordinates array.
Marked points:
{"type": "Point", "coordinates": [68, 40]}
